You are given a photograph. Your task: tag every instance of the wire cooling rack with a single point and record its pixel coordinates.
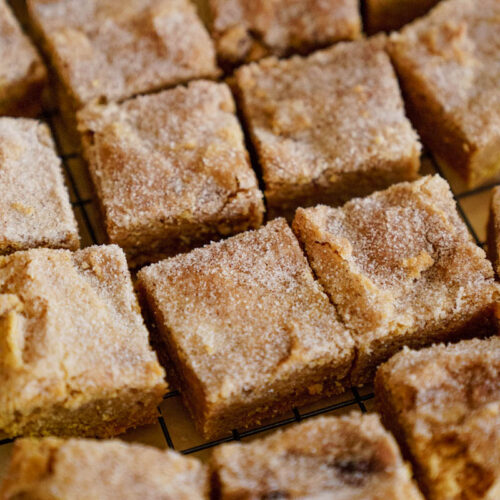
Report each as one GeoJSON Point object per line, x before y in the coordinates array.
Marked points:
{"type": "Point", "coordinates": [174, 428]}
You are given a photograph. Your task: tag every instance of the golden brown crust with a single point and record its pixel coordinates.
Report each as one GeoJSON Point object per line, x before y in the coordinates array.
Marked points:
{"type": "Point", "coordinates": [34, 206]}
{"type": "Point", "coordinates": [443, 404]}
{"type": "Point", "coordinates": [401, 269]}
{"type": "Point", "coordinates": [494, 230]}
{"type": "Point", "coordinates": [171, 170]}
{"type": "Point", "coordinates": [352, 455]}
{"type": "Point", "coordinates": [74, 352]}
{"type": "Point", "coordinates": [80, 469]}
{"type": "Point", "coordinates": [328, 127]}
{"type": "Point", "coordinates": [249, 330]}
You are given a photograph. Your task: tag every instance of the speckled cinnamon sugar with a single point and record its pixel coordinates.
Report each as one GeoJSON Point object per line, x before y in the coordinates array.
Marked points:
{"type": "Point", "coordinates": [401, 269]}
{"type": "Point", "coordinates": [22, 73]}
{"type": "Point", "coordinates": [449, 65]}
{"type": "Point", "coordinates": [494, 230]}
{"type": "Point", "coordinates": [351, 457]}
{"type": "Point", "coordinates": [246, 31]}
{"type": "Point", "coordinates": [443, 404]}
{"type": "Point", "coordinates": [80, 469]}
{"type": "Point", "coordinates": [74, 352]}
{"type": "Point", "coordinates": [328, 127]}
{"type": "Point", "coordinates": [171, 170]}
{"type": "Point", "coordinates": [34, 204]}
{"type": "Point", "coordinates": [108, 50]}
{"type": "Point", "coordinates": [248, 329]}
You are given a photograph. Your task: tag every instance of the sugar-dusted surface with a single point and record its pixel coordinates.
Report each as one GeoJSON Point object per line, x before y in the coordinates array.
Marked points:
{"type": "Point", "coordinates": [103, 49]}
{"type": "Point", "coordinates": [444, 405]}
{"type": "Point", "coordinates": [34, 204]}
{"type": "Point", "coordinates": [327, 127]}
{"type": "Point", "coordinates": [72, 335]}
{"type": "Point", "coordinates": [247, 325]}
{"type": "Point", "coordinates": [246, 31]}
{"type": "Point", "coordinates": [170, 168]}
{"type": "Point", "coordinates": [81, 469]}
{"type": "Point", "coordinates": [354, 456]}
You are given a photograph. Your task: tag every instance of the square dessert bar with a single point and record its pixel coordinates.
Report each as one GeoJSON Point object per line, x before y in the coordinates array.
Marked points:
{"type": "Point", "coordinates": [494, 230]}
{"type": "Point", "coordinates": [248, 329]}
{"type": "Point", "coordinates": [246, 31]}
{"type": "Point", "coordinates": [171, 170]}
{"type": "Point", "coordinates": [401, 269]}
{"type": "Point", "coordinates": [443, 404]}
{"type": "Point", "coordinates": [74, 353]}
{"type": "Point", "coordinates": [34, 206]}
{"type": "Point", "coordinates": [349, 457]}
{"type": "Point", "coordinates": [328, 127]}
{"type": "Point", "coordinates": [80, 469]}
{"type": "Point", "coordinates": [449, 66]}
{"type": "Point", "coordinates": [22, 73]}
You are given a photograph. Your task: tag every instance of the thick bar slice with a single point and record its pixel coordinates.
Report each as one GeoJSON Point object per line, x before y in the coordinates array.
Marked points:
{"type": "Point", "coordinates": [246, 31]}
{"type": "Point", "coordinates": [494, 230]}
{"type": "Point", "coordinates": [328, 127]}
{"type": "Point", "coordinates": [401, 269]}
{"type": "Point", "coordinates": [443, 405]}
{"type": "Point", "coordinates": [351, 457]}
{"type": "Point", "coordinates": [449, 66]}
{"type": "Point", "coordinates": [34, 206]}
{"type": "Point", "coordinates": [171, 170]}
{"type": "Point", "coordinates": [248, 329]}
{"type": "Point", "coordinates": [22, 73]}
{"type": "Point", "coordinates": [74, 352]}
{"type": "Point", "coordinates": [80, 469]}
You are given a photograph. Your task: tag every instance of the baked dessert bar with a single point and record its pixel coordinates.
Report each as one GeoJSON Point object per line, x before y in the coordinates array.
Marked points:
{"type": "Point", "coordinates": [22, 73]}
{"type": "Point", "coordinates": [248, 329]}
{"type": "Point", "coordinates": [74, 352]}
{"type": "Point", "coordinates": [104, 50]}
{"type": "Point", "coordinates": [449, 66]}
{"type": "Point", "coordinates": [443, 404]}
{"type": "Point", "coordinates": [328, 127]}
{"type": "Point", "coordinates": [494, 230]}
{"type": "Point", "coordinates": [349, 457]}
{"type": "Point", "coordinates": [246, 31]}
{"type": "Point", "coordinates": [401, 269]}
{"type": "Point", "coordinates": [389, 15]}
{"type": "Point", "coordinates": [34, 206]}
{"type": "Point", "coordinates": [171, 170]}
{"type": "Point", "coordinates": [79, 469]}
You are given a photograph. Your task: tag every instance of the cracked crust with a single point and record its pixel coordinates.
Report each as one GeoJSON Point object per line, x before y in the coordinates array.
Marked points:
{"type": "Point", "coordinates": [74, 352]}
{"type": "Point", "coordinates": [443, 404]}
{"type": "Point", "coordinates": [401, 269]}
{"type": "Point", "coordinates": [248, 329]}
{"type": "Point", "coordinates": [171, 170]}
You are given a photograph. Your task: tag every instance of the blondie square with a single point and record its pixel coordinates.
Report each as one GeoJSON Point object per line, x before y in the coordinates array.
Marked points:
{"type": "Point", "coordinates": [22, 73]}
{"type": "Point", "coordinates": [328, 127]}
{"type": "Point", "coordinates": [171, 170]}
{"type": "Point", "coordinates": [353, 456]}
{"type": "Point", "coordinates": [443, 405]}
{"type": "Point", "coordinates": [401, 269]}
{"type": "Point", "coordinates": [494, 230]}
{"type": "Point", "coordinates": [74, 352]}
{"type": "Point", "coordinates": [247, 328]}
{"type": "Point", "coordinates": [34, 206]}
{"type": "Point", "coordinates": [79, 469]}
{"type": "Point", "coordinates": [246, 31]}
{"type": "Point", "coordinates": [449, 66]}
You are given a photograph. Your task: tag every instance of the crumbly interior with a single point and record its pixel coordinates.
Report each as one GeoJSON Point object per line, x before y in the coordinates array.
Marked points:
{"type": "Point", "coordinates": [246, 31]}
{"type": "Point", "coordinates": [51, 469]}
{"type": "Point", "coordinates": [443, 403]}
{"type": "Point", "coordinates": [108, 50]}
{"type": "Point", "coordinates": [401, 268]}
{"type": "Point", "coordinates": [249, 329]}
{"type": "Point", "coordinates": [34, 206]}
{"type": "Point", "coordinates": [328, 127]}
{"type": "Point", "coordinates": [74, 352]}
{"type": "Point", "coordinates": [171, 169]}
{"type": "Point", "coordinates": [352, 455]}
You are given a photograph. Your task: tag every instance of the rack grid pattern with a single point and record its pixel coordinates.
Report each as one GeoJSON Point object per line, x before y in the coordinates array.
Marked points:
{"type": "Point", "coordinates": [472, 206]}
